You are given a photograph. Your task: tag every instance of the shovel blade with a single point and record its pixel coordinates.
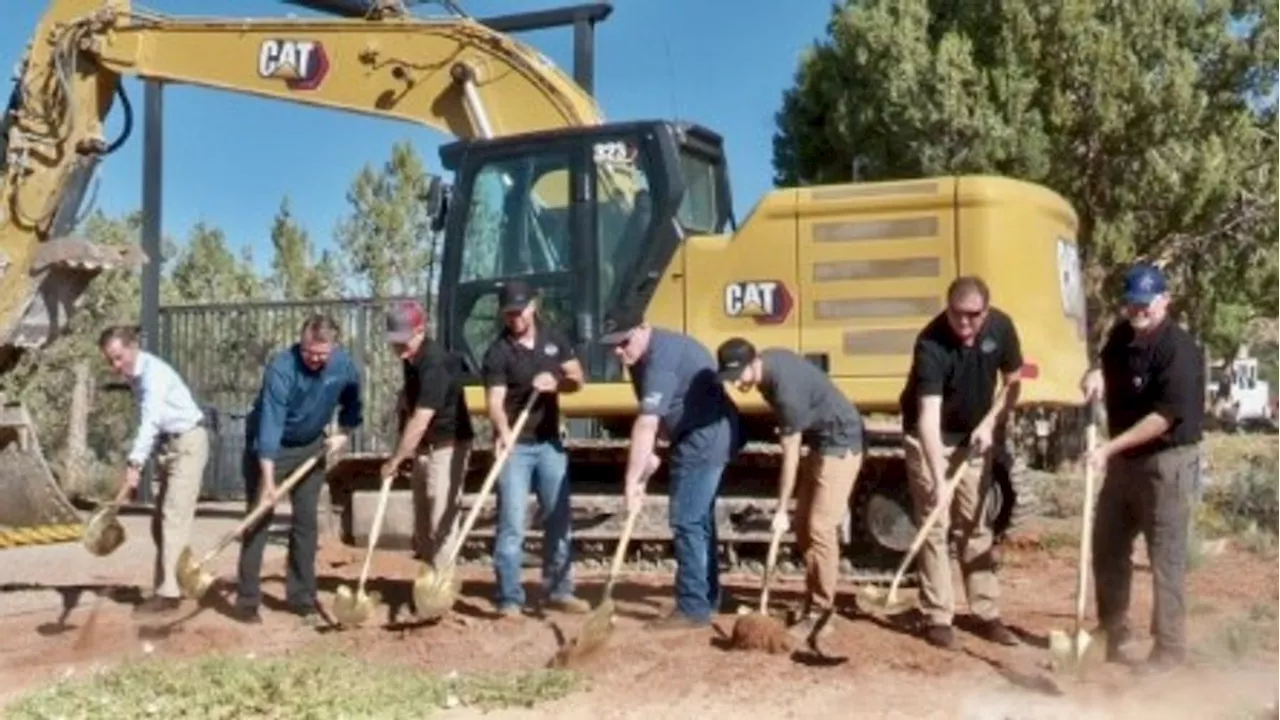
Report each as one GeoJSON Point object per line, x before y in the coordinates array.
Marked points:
{"type": "Point", "coordinates": [879, 601]}
{"type": "Point", "coordinates": [593, 636]}
{"type": "Point", "coordinates": [353, 609]}
{"type": "Point", "coordinates": [434, 594]}
{"type": "Point", "coordinates": [1068, 650]}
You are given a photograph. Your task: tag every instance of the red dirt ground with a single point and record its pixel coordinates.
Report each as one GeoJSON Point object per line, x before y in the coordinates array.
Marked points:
{"type": "Point", "coordinates": [878, 670]}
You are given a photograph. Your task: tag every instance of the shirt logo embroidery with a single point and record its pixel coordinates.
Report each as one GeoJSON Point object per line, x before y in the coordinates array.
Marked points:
{"type": "Point", "coordinates": [550, 349]}
{"type": "Point", "coordinates": [988, 346]}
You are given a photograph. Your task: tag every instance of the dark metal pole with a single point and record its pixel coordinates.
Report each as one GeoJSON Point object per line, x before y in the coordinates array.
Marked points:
{"type": "Point", "coordinates": [152, 169]}
{"type": "Point", "coordinates": [584, 53]}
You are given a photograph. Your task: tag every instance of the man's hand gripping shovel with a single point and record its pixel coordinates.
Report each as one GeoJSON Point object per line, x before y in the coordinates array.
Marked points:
{"type": "Point", "coordinates": [1068, 650]}
{"type": "Point", "coordinates": [193, 579]}
{"type": "Point", "coordinates": [435, 590]}
{"type": "Point", "coordinates": [875, 600]}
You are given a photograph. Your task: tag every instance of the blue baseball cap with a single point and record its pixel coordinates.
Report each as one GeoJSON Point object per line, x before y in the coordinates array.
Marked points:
{"type": "Point", "coordinates": [1142, 284]}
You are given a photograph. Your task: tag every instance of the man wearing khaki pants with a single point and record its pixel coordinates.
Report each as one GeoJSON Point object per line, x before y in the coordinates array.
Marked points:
{"type": "Point", "coordinates": [436, 433]}
{"type": "Point", "coordinates": [172, 424]}
{"type": "Point", "coordinates": [949, 391]}
{"type": "Point", "coordinates": [810, 407]}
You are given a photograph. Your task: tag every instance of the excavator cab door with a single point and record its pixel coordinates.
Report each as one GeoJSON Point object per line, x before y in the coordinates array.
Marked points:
{"type": "Point", "coordinates": [585, 215]}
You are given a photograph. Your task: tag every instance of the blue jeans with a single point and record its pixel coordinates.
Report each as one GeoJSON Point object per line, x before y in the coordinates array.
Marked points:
{"type": "Point", "coordinates": [691, 505]}
{"type": "Point", "coordinates": [548, 462]}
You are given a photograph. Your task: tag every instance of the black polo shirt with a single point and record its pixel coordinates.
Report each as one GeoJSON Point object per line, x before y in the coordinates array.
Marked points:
{"type": "Point", "coordinates": [433, 380]}
{"type": "Point", "coordinates": [509, 363]}
{"type": "Point", "coordinates": [966, 377]}
{"type": "Point", "coordinates": [1161, 372]}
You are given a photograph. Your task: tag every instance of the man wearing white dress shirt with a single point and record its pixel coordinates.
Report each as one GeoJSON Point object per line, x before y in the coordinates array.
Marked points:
{"type": "Point", "coordinates": [171, 424]}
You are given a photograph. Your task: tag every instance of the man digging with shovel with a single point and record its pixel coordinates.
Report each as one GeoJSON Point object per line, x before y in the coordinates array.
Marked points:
{"type": "Point", "coordinates": [170, 421]}
{"type": "Point", "coordinates": [948, 394]}
{"type": "Point", "coordinates": [809, 406]}
{"type": "Point", "coordinates": [301, 387]}
{"type": "Point", "coordinates": [436, 431]}
{"type": "Point", "coordinates": [1150, 376]}
{"type": "Point", "coordinates": [674, 378]}
{"type": "Point", "coordinates": [528, 357]}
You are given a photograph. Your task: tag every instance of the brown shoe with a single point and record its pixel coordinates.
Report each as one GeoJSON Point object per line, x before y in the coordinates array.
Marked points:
{"type": "Point", "coordinates": [941, 636]}
{"type": "Point", "coordinates": [995, 631]}
{"type": "Point", "coordinates": [569, 604]}
{"type": "Point", "coordinates": [157, 605]}
{"type": "Point", "coordinates": [677, 621]}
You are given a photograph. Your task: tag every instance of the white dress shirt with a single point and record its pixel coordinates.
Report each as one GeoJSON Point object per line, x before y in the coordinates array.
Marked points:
{"type": "Point", "coordinates": [165, 404]}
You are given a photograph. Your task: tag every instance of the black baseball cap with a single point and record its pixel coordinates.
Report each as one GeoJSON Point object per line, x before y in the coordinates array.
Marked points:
{"type": "Point", "coordinates": [618, 322]}
{"type": "Point", "coordinates": [515, 295]}
{"type": "Point", "coordinates": [734, 355]}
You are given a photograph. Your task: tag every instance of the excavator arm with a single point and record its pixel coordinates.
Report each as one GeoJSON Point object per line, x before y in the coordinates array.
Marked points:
{"type": "Point", "coordinates": [452, 74]}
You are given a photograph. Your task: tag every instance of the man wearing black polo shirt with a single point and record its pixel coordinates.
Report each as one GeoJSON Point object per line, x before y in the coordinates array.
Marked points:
{"type": "Point", "coordinates": [435, 430]}
{"type": "Point", "coordinates": [530, 356]}
{"type": "Point", "coordinates": [949, 391]}
{"type": "Point", "coordinates": [1151, 374]}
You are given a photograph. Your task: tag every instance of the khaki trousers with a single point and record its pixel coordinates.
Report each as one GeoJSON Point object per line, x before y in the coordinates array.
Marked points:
{"type": "Point", "coordinates": [180, 469]}
{"type": "Point", "coordinates": [968, 519]}
{"type": "Point", "coordinates": [824, 485]}
{"type": "Point", "coordinates": [436, 486]}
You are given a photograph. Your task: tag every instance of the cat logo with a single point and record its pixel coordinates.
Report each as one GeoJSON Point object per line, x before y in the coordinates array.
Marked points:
{"type": "Point", "coordinates": [768, 302]}
{"type": "Point", "coordinates": [302, 64]}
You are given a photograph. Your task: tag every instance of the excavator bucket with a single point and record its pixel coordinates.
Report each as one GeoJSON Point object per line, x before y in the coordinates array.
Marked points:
{"type": "Point", "coordinates": [33, 509]}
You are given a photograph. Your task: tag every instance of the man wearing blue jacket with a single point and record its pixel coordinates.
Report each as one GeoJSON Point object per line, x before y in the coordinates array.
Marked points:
{"type": "Point", "coordinates": [301, 387]}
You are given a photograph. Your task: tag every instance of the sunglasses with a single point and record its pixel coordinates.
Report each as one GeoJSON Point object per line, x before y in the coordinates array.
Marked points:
{"type": "Point", "coordinates": [966, 314]}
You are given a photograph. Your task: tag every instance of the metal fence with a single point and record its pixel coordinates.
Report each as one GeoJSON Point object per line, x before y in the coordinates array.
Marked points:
{"type": "Point", "coordinates": [222, 349]}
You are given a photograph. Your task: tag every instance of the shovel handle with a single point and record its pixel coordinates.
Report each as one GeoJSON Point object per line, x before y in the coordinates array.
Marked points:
{"type": "Point", "coordinates": [625, 539]}
{"type": "Point", "coordinates": [944, 502]}
{"type": "Point", "coordinates": [771, 560]}
{"type": "Point", "coordinates": [489, 480]}
{"type": "Point", "coordinates": [294, 478]}
{"type": "Point", "coordinates": [375, 531]}
{"type": "Point", "coordinates": [1086, 521]}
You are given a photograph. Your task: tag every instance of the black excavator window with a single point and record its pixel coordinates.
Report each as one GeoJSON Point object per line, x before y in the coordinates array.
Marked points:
{"type": "Point", "coordinates": [589, 216]}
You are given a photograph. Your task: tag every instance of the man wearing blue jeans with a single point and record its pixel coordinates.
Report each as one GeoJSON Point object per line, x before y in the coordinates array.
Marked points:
{"type": "Point", "coordinates": [676, 384]}
{"type": "Point", "coordinates": [530, 357]}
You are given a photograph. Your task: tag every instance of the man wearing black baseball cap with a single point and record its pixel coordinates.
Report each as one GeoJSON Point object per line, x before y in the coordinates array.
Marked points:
{"type": "Point", "coordinates": [675, 383]}
{"type": "Point", "coordinates": [528, 357]}
{"type": "Point", "coordinates": [1150, 373]}
{"type": "Point", "coordinates": [808, 406]}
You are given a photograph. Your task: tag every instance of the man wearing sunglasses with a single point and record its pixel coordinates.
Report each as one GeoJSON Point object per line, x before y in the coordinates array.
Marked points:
{"type": "Point", "coordinates": [301, 388]}
{"type": "Point", "coordinates": [675, 382]}
{"type": "Point", "coordinates": [435, 430]}
{"type": "Point", "coordinates": [530, 356]}
{"type": "Point", "coordinates": [957, 361]}
{"type": "Point", "coordinates": [1150, 373]}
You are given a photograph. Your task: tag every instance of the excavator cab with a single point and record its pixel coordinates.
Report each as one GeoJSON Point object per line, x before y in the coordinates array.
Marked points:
{"type": "Point", "coordinates": [591, 216]}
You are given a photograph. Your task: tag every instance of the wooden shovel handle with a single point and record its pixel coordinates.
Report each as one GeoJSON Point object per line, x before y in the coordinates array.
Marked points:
{"type": "Point", "coordinates": [770, 562]}
{"type": "Point", "coordinates": [944, 502]}
{"type": "Point", "coordinates": [490, 479]}
{"type": "Point", "coordinates": [375, 531]}
{"type": "Point", "coordinates": [294, 478]}
{"type": "Point", "coordinates": [627, 529]}
{"type": "Point", "coordinates": [1086, 521]}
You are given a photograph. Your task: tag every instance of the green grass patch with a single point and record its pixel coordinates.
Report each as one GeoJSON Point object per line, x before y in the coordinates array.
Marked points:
{"type": "Point", "coordinates": [319, 687]}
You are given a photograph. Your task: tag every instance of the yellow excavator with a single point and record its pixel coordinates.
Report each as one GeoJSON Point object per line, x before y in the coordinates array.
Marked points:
{"type": "Point", "coordinates": [594, 213]}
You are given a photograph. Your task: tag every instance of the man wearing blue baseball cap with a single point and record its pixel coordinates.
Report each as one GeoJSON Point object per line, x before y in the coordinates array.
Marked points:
{"type": "Point", "coordinates": [1150, 374]}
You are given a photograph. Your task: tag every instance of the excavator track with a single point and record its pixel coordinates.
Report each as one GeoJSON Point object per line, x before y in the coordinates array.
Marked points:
{"type": "Point", "coordinates": [33, 509]}
{"type": "Point", "coordinates": [874, 534]}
